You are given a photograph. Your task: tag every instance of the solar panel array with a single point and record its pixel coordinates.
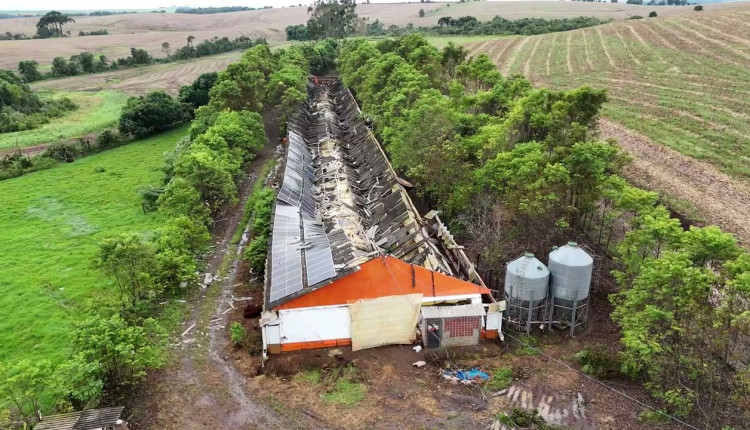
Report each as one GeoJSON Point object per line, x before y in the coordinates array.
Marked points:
{"type": "Point", "coordinates": [318, 255]}
{"type": "Point", "coordinates": [286, 259]}
{"type": "Point", "coordinates": [296, 202]}
{"type": "Point", "coordinates": [299, 176]}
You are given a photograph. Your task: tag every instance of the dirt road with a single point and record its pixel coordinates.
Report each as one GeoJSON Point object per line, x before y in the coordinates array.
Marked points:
{"type": "Point", "coordinates": [200, 388]}
{"type": "Point", "coordinates": [718, 198]}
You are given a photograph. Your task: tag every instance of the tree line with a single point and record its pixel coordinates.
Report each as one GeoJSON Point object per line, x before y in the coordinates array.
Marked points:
{"type": "Point", "coordinates": [115, 348]}
{"type": "Point", "coordinates": [88, 62]}
{"type": "Point", "coordinates": [211, 9]}
{"type": "Point", "coordinates": [466, 25]}
{"type": "Point", "coordinates": [516, 168]}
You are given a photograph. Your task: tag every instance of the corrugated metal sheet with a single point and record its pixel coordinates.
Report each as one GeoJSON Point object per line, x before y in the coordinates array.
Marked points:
{"type": "Point", "coordinates": [384, 321]}
{"type": "Point", "coordinates": [473, 310]}
{"type": "Point", "coordinates": [84, 420]}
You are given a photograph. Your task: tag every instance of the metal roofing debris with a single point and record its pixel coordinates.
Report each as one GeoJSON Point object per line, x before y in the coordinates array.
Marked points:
{"type": "Point", "coordinates": [457, 311]}
{"type": "Point", "coordinates": [350, 198]}
{"type": "Point", "coordinates": [93, 419]}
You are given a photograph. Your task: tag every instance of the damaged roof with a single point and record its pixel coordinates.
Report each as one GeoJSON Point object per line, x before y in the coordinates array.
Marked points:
{"type": "Point", "coordinates": [341, 204]}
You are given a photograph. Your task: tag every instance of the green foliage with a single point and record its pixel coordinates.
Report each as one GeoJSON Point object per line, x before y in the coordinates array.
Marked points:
{"type": "Point", "coordinates": [145, 115]}
{"type": "Point", "coordinates": [29, 70]}
{"type": "Point", "coordinates": [652, 14]}
{"type": "Point", "coordinates": [297, 32]}
{"type": "Point", "coordinates": [196, 94]}
{"type": "Point", "coordinates": [332, 18]}
{"type": "Point", "coordinates": [238, 334]}
{"type": "Point", "coordinates": [51, 24]}
{"type": "Point", "coordinates": [308, 377]}
{"type": "Point", "coordinates": [130, 262]}
{"type": "Point", "coordinates": [180, 198]}
{"type": "Point", "coordinates": [243, 131]}
{"type": "Point", "coordinates": [257, 250]}
{"type": "Point", "coordinates": [23, 385]}
{"type": "Point", "coordinates": [21, 109]}
{"type": "Point", "coordinates": [698, 8]}
{"type": "Point", "coordinates": [682, 308]}
{"type": "Point", "coordinates": [599, 362]}
{"type": "Point", "coordinates": [502, 377]}
{"type": "Point", "coordinates": [122, 351]}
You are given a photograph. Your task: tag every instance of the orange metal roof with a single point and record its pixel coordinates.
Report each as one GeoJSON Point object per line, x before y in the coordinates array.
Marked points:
{"type": "Point", "coordinates": [384, 276]}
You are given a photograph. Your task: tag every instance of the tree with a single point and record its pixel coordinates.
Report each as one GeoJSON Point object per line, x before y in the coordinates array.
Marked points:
{"type": "Point", "coordinates": [139, 56]}
{"type": "Point", "coordinates": [190, 40]}
{"type": "Point", "coordinates": [332, 18]}
{"type": "Point", "coordinates": [196, 94]}
{"type": "Point", "coordinates": [180, 198]}
{"type": "Point", "coordinates": [652, 14]}
{"type": "Point", "coordinates": [51, 24]}
{"type": "Point", "coordinates": [210, 169]}
{"type": "Point", "coordinates": [698, 8]}
{"type": "Point", "coordinates": [122, 352]}
{"type": "Point", "coordinates": [243, 131]}
{"type": "Point", "coordinates": [143, 116]}
{"type": "Point", "coordinates": [297, 32]}
{"type": "Point", "coordinates": [29, 70]}
{"type": "Point", "coordinates": [421, 13]}
{"type": "Point", "coordinates": [166, 49]}
{"type": "Point", "coordinates": [23, 384]}
{"type": "Point", "coordinates": [130, 262]}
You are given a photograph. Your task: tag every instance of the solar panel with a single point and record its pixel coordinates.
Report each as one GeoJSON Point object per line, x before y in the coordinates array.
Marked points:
{"type": "Point", "coordinates": [318, 255]}
{"type": "Point", "coordinates": [299, 176]}
{"type": "Point", "coordinates": [286, 257]}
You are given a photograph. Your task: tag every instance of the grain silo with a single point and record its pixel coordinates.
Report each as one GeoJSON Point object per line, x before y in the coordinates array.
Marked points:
{"type": "Point", "coordinates": [526, 286]}
{"type": "Point", "coordinates": [570, 282]}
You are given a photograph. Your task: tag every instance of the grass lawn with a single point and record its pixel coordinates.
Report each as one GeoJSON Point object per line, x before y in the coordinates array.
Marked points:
{"type": "Point", "coordinates": [52, 223]}
{"type": "Point", "coordinates": [95, 112]}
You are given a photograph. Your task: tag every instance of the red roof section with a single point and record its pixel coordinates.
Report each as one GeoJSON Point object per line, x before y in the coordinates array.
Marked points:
{"type": "Point", "coordinates": [381, 277]}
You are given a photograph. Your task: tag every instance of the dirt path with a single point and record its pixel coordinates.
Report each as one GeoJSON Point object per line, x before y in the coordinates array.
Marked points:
{"type": "Point", "coordinates": [201, 388]}
{"type": "Point", "coordinates": [719, 199]}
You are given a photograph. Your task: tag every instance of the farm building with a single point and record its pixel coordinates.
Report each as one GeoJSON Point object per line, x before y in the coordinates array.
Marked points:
{"type": "Point", "coordinates": [352, 262]}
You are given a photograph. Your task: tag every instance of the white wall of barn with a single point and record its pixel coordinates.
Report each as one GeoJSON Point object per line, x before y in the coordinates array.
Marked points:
{"type": "Point", "coordinates": [315, 324]}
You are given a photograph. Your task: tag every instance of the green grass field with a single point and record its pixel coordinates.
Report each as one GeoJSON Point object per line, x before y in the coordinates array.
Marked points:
{"type": "Point", "coordinates": [95, 112]}
{"type": "Point", "coordinates": [52, 223]}
{"type": "Point", "coordinates": [682, 81]}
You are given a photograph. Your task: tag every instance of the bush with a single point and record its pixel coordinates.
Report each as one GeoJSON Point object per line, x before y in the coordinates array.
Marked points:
{"type": "Point", "coordinates": [698, 8]}
{"type": "Point", "coordinates": [62, 151]}
{"type": "Point", "coordinates": [652, 14]}
{"type": "Point", "coordinates": [635, 17]}
{"type": "Point", "coordinates": [238, 334]}
{"type": "Point", "coordinates": [599, 362]}
{"type": "Point", "coordinates": [196, 94]}
{"type": "Point", "coordinates": [144, 116]}
{"type": "Point", "coordinates": [109, 139]}
{"type": "Point", "coordinates": [256, 253]}
{"type": "Point", "coordinates": [526, 419]}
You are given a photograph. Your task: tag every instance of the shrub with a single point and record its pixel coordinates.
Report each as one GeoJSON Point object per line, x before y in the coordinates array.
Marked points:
{"type": "Point", "coordinates": [421, 13]}
{"type": "Point", "coordinates": [238, 334]}
{"type": "Point", "coordinates": [109, 139]}
{"type": "Point", "coordinates": [599, 362]}
{"type": "Point", "coordinates": [123, 351]}
{"type": "Point", "coordinates": [698, 8]}
{"type": "Point", "coordinates": [196, 94]}
{"type": "Point", "coordinates": [144, 116]}
{"type": "Point", "coordinates": [652, 14]}
{"type": "Point", "coordinates": [635, 17]}
{"type": "Point", "coordinates": [256, 253]}
{"type": "Point", "coordinates": [62, 151]}
{"type": "Point", "coordinates": [526, 419]}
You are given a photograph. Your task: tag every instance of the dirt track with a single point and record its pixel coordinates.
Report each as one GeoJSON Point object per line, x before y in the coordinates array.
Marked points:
{"type": "Point", "coordinates": [719, 199]}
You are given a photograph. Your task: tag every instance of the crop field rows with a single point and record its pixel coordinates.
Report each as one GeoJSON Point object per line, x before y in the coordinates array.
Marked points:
{"type": "Point", "coordinates": [682, 81]}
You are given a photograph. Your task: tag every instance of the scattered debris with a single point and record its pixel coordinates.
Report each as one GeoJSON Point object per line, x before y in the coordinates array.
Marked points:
{"type": "Point", "coordinates": [207, 280]}
{"type": "Point", "coordinates": [419, 364]}
{"type": "Point", "coordinates": [417, 348]}
{"type": "Point", "coordinates": [335, 353]}
{"type": "Point", "coordinates": [188, 330]}
{"type": "Point", "coordinates": [467, 377]}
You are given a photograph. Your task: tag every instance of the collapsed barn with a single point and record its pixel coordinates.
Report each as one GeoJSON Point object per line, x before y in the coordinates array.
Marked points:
{"type": "Point", "coordinates": [352, 261]}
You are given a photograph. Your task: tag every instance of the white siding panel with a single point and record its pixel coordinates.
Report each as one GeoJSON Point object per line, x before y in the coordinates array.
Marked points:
{"type": "Point", "coordinates": [315, 324]}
